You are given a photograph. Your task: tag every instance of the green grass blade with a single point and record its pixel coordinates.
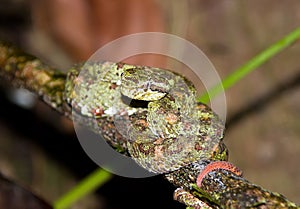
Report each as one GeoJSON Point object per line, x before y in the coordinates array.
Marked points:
{"type": "Point", "coordinates": [251, 65]}
{"type": "Point", "coordinates": [86, 186]}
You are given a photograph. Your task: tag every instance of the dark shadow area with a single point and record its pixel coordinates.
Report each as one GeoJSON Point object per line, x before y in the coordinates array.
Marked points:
{"type": "Point", "coordinates": [59, 145]}
{"type": "Point", "coordinates": [16, 197]}
{"type": "Point", "coordinates": [15, 18]}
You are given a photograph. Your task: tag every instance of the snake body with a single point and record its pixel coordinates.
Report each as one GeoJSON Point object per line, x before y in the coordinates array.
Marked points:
{"type": "Point", "coordinates": [154, 110]}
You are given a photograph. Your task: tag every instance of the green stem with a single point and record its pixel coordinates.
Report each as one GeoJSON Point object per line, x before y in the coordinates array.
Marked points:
{"type": "Point", "coordinates": [251, 65]}
{"type": "Point", "coordinates": [86, 186]}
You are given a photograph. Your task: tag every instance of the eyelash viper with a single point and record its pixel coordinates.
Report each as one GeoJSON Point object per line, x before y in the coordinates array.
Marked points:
{"type": "Point", "coordinates": [154, 110]}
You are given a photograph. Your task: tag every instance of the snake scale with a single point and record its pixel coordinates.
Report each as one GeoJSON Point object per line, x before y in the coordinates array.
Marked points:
{"type": "Point", "coordinates": [154, 110]}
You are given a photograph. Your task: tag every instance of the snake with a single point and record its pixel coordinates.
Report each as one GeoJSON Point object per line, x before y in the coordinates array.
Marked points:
{"type": "Point", "coordinates": [155, 111]}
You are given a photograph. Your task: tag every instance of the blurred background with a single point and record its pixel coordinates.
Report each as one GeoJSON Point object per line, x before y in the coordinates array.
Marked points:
{"type": "Point", "coordinates": [38, 148]}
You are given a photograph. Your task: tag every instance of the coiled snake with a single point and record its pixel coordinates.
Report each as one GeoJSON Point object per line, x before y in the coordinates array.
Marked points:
{"type": "Point", "coordinates": [155, 110]}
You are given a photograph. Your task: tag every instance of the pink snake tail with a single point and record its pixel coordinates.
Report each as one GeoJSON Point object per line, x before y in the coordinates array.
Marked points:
{"type": "Point", "coordinates": [216, 166]}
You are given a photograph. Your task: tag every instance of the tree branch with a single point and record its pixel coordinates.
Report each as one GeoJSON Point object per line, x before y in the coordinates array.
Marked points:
{"type": "Point", "coordinates": [218, 188]}
{"type": "Point", "coordinates": [26, 71]}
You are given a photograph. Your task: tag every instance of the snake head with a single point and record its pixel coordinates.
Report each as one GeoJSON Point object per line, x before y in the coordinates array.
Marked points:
{"type": "Point", "coordinates": [143, 83]}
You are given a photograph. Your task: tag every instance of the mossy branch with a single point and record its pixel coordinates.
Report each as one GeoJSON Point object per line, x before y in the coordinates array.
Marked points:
{"type": "Point", "coordinates": [26, 71]}
{"type": "Point", "coordinates": [219, 189]}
